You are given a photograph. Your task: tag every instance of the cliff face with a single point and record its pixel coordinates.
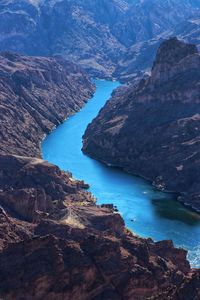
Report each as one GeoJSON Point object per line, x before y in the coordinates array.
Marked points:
{"type": "Point", "coordinates": [33, 189]}
{"type": "Point", "coordinates": [152, 129]}
{"type": "Point", "coordinates": [36, 94]}
{"type": "Point", "coordinates": [97, 34]}
{"type": "Point", "coordinates": [55, 242]}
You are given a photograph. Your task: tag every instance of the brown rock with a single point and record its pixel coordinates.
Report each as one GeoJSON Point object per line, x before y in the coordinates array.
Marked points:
{"type": "Point", "coordinates": [93, 268]}
{"type": "Point", "coordinates": [30, 186]}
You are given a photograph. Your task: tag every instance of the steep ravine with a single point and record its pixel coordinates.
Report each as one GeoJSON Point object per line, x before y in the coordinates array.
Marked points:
{"type": "Point", "coordinates": [55, 242]}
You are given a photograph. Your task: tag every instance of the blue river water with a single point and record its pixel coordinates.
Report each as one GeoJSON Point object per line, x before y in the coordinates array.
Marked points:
{"type": "Point", "coordinates": [147, 212]}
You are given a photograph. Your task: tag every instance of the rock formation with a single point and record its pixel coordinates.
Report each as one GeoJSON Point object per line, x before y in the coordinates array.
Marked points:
{"type": "Point", "coordinates": [55, 242]}
{"type": "Point", "coordinates": [152, 129]}
{"type": "Point", "coordinates": [37, 94]}
{"type": "Point", "coordinates": [139, 58]}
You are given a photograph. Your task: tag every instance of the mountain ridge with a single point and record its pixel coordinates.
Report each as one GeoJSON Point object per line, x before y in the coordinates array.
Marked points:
{"type": "Point", "coordinates": [95, 34]}
{"type": "Point", "coordinates": [55, 242]}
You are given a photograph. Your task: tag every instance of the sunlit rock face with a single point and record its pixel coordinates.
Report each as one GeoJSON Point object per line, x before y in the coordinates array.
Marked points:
{"type": "Point", "coordinates": [97, 34]}
{"type": "Point", "coordinates": [152, 129]}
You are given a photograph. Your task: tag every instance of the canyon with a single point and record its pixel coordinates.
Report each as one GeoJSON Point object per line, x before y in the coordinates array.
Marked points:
{"type": "Point", "coordinates": [109, 39]}
{"type": "Point", "coordinates": [55, 241]}
{"type": "Point", "coordinates": [36, 95]}
{"type": "Point", "coordinates": [162, 145]}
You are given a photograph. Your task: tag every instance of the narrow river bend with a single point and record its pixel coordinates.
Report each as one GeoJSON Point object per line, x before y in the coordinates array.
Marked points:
{"type": "Point", "coordinates": [147, 212]}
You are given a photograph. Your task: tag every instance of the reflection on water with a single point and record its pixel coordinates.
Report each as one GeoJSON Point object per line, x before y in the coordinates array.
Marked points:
{"type": "Point", "coordinates": [147, 212]}
{"type": "Point", "coordinates": [173, 210]}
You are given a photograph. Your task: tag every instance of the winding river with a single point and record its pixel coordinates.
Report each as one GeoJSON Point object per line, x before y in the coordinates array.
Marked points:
{"type": "Point", "coordinates": [147, 212]}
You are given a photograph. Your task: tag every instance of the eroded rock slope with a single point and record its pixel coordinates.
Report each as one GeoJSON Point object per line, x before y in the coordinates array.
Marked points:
{"type": "Point", "coordinates": [37, 94]}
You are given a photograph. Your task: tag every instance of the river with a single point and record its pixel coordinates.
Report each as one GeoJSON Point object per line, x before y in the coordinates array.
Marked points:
{"type": "Point", "coordinates": [147, 212]}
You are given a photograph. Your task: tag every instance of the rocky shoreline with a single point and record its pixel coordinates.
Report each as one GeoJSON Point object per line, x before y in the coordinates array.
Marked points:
{"type": "Point", "coordinates": [179, 197]}
{"type": "Point", "coordinates": [55, 242]}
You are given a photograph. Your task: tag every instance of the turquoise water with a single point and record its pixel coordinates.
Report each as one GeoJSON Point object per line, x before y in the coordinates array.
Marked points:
{"type": "Point", "coordinates": [147, 212]}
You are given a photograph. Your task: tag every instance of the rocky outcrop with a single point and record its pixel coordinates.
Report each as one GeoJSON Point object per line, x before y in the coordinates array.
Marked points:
{"type": "Point", "coordinates": [152, 129]}
{"type": "Point", "coordinates": [13, 230]}
{"type": "Point", "coordinates": [97, 34]}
